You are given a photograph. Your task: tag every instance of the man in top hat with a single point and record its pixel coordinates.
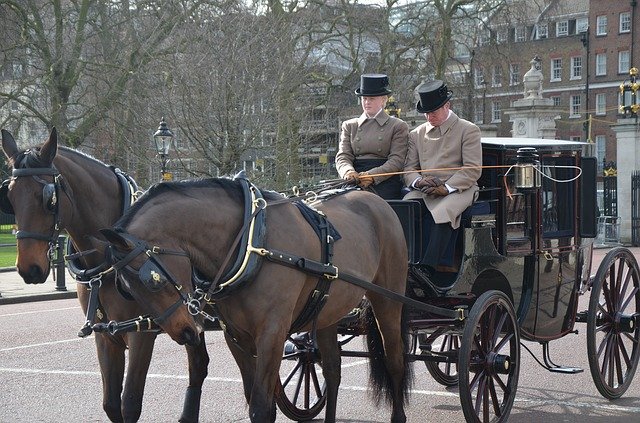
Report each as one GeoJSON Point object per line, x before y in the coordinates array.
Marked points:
{"type": "Point", "coordinates": [443, 165]}
{"type": "Point", "coordinates": [374, 143]}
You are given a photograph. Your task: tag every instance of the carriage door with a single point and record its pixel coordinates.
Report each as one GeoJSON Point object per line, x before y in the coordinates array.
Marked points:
{"type": "Point", "coordinates": [554, 298]}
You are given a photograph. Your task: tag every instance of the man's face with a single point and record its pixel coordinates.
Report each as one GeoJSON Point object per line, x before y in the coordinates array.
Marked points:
{"type": "Point", "coordinates": [372, 105]}
{"type": "Point", "coordinates": [438, 116]}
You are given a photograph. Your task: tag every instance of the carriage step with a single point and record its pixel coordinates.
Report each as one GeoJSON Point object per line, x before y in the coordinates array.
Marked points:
{"type": "Point", "coordinates": [565, 370]}
{"type": "Point", "coordinates": [581, 316]}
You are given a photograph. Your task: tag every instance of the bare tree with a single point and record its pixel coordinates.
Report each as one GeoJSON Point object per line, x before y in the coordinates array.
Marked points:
{"type": "Point", "coordinates": [80, 58]}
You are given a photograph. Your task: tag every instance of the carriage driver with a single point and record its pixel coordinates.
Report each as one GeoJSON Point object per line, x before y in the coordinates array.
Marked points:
{"type": "Point", "coordinates": [374, 143]}
{"type": "Point", "coordinates": [443, 167]}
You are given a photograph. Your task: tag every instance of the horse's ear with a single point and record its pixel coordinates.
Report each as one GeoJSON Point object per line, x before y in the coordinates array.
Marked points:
{"type": "Point", "coordinates": [115, 238]}
{"type": "Point", "coordinates": [9, 145]}
{"type": "Point", "coordinates": [50, 147]}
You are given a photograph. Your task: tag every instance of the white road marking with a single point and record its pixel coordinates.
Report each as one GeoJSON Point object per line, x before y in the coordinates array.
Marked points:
{"type": "Point", "coordinates": [22, 313]}
{"type": "Point", "coordinates": [43, 344]}
{"type": "Point", "coordinates": [214, 379]}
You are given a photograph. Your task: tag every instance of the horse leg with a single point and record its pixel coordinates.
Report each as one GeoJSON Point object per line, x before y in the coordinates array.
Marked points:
{"type": "Point", "coordinates": [391, 336]}
{"type": "Point", "coordinates": [198, 362]}
{"type": "Point", "coordinates": [330, 352]}
{"type": "Point", "coordinates": [140, 352]}
{"type": "Point", "coordinates": [111, 359]}
{"type": "Point", "coordinates": [245, 362]}
{"type": "Point", "coordinates": [269, 356]}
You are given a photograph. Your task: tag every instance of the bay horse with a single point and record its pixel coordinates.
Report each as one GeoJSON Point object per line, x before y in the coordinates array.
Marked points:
{"type": "Point", "coordinates": [202, 221]}
{"type": "Point", "coordinates": [54, 188]}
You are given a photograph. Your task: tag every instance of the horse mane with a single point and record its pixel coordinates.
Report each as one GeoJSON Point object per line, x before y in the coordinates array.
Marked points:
{"type": "Point", "coordinates": [230, 186]}
{"type": "Point", "coordinates": [30, 157]}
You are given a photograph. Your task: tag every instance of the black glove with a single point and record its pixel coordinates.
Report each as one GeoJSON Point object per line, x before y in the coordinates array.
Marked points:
{"type": "Point", "coordinates": [428, 182]}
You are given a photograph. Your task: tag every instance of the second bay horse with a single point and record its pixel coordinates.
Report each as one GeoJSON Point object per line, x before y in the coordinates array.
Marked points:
{"type": "Point", "coordinates": [201, 222]}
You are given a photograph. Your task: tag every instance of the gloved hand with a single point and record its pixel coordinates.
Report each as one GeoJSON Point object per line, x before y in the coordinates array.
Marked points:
{"type": "Point", "coordinates": [437, 191]}
{"type": "Point", "coordinates": [364, 179]}
{"type": "Point", "coordinates": [428, 182]}
{"type": "Point", "coordinates": [351, 176]}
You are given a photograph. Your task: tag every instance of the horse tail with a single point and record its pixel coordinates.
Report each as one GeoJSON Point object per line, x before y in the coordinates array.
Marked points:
{"type": "Point", "coordinates": [379, 378]}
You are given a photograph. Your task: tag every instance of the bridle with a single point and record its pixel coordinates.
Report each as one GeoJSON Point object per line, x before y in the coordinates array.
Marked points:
{"type": "Point", "coordinates": [153, 274]}
{"type": "Point", "coordinates": [50, 197]}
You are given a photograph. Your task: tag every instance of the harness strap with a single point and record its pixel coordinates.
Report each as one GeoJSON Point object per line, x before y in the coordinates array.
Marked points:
{"type": "Point", "coordinates": [320, 294]}
{"type": "Point", "coordinates": [168, 312]}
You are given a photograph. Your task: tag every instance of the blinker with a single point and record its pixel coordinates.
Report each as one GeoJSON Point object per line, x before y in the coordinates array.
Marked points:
{"type": "Point", "coordinates": [5, 204]}
{"type": "Point", "coordinates": [49, 198]}
{"type": "Point", "coordinates": [151, 276]}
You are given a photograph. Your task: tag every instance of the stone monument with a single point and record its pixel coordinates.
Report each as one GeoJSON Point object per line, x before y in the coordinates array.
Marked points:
{"type": "Point", "coordinates": [533, 116]}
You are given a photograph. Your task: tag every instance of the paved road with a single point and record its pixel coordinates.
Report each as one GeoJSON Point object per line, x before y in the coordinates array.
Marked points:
{"type": "Point", "coordinates": [47, 374]}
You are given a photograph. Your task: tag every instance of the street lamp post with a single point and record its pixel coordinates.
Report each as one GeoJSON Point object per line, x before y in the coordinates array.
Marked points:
{"type": "Point", "coordinates": [162, 139]}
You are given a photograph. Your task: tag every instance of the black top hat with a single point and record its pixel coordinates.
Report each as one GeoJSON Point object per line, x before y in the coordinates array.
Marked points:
{"type": "Point", "coordinates": [373, 85]}
{"type": "Point", "coordinates": [433, 95]}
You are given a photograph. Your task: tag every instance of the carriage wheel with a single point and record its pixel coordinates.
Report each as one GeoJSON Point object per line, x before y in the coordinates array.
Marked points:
{"type": "Point", "coordinates": [445, 373]}
{"type": "Point", "coordinates": [489, 361]}
{"type": "Point", "coordinates": [612, 323]}
{"type": "Point", "coordinates": [301, 393]}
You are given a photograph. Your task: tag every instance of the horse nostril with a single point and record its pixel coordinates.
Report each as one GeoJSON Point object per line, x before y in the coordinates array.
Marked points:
{"type": "Point", "coordinates": [34, 275]}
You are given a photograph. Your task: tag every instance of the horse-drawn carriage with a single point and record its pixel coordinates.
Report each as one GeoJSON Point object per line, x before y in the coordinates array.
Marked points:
{"type": "Point", "coordinates": [523, 259]}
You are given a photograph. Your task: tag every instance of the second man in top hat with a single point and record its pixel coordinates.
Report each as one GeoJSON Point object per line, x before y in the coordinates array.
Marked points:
{"type": "Point", "coordinates": [374, 143]}
{"type": "Point", "coordinates": [443, 165]}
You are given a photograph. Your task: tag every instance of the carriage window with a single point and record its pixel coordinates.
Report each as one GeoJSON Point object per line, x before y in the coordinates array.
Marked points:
{"type": "Point", "coordinates": [558, 197]}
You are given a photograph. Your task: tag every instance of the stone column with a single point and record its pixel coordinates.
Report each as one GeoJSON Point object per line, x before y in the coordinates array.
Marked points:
{"type": "Point", "coordinates": [628, 160]}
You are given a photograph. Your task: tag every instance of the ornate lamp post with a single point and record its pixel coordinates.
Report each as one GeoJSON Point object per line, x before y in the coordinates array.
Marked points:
{"type": "Point", "coordinates": [629, 101]}
{"type": "Point", "coordinates": [162, 139]}
{"type": "Point", "coordinates": [392, 109]}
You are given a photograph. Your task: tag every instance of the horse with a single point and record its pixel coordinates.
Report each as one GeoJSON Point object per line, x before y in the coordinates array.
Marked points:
{"type": "Point", "coordinates": [54, 188]}
{"type": "Point", "coordinates": [261, 303]}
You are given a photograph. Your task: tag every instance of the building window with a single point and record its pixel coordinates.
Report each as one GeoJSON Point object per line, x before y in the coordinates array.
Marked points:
{"type": "Point", "coordinates": [574, 108]}
{"type": "Point", "coordinates": [520, 34]}
{"type": "Point", "coordinates": [601, 64]}
{"type": "Point", "coordinates": [556, 70]}
{"type": "Point", "coordinates": [576, 138]}
{"type": "Point", "coordinates": [514, 74]}
{"type": "Point", "coordinates": [496, 112]}
{"type": "Point", "coordinates": [576, 67]}
{"type": "Point", "coordinates": [541, 31]}
{"type": "Point", "coordinates": [556, 101]}
{"type": "Point", "coordinates": [582, 25]}
{"type": "Point", "coordinates": [625, 22]}
{"type": "Point", "coordinates": [623, 61]}
{"type": "Point", "coordinates": [478, 114]}
{"type": "Point", "coordinates": [601, 151]}
{"type": "Point", "coordinates": [501, 36]}
{"type": "Point", "coordinates": [479, 78]}
{"type": "Point", "coordinates": [601, 104]}
{"type": "Point", "coordinates": [496, 78]}
{"type": "Point", "coordinates": [601, 25]}
{"type": "Point", "coordinates": [484, 38]}
{"type": "Point", "coordinates": [562, 28]}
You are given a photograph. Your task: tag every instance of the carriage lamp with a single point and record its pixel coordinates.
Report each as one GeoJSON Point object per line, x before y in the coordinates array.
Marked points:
{"type": "Point", "coordinates": [527, 173]}
{"type": "Point", "coordinates": [629, 94]}
{"type": "Point", "coordinates": [162, 138]}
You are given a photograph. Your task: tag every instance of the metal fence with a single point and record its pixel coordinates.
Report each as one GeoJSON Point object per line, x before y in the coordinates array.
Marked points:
{"type": "Point", "coordinates": [6, 223]}
{"type": "Point", "coordinates": [610, 197]}
{"type": "Point", "coordinates": [635, 208]}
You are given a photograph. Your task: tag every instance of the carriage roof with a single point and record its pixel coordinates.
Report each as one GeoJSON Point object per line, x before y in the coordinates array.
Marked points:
{"type": "Point", "coordinates": [507, 143]}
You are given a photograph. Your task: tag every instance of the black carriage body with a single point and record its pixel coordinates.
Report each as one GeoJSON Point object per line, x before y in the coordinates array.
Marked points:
{"type": "Point", "coordinates": [532, 244]}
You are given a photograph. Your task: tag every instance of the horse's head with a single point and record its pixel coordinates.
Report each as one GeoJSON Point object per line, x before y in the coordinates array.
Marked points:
{"type": "Point", "coordinates": [32, 195]}
{"type": "Point", "coordinates": [158, 278]}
